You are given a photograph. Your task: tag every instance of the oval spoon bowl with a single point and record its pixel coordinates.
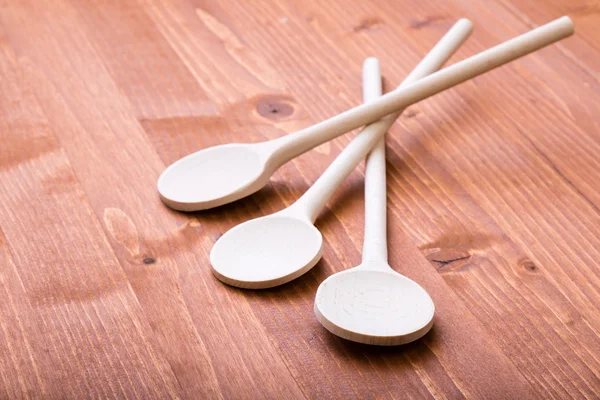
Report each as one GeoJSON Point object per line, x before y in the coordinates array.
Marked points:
{"type": "Point", "coordinates": [212, 177]}
{"type": "Point", "coordinates": [374, 307]}
{"type": "Point", "coordinates": [266, 252]}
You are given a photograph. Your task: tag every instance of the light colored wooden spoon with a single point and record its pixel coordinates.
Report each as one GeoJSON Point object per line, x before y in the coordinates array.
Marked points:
{"type": "Point", "coordinates": [372, 303]}
{"type": "Point", "coordinates": [222, 174]}
{"type": "Point", "coordinates": [277, 248]}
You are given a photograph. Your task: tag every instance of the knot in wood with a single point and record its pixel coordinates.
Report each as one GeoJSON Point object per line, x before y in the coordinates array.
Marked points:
{"type": "Point", "coordinates": [149, 260]}
{"type": "Point", "coordinates": [274, 107]}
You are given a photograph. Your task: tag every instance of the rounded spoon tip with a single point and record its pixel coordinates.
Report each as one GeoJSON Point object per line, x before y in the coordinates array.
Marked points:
{"type": "Point", "coordinates": [212, 177]}
{"type": "Point", "coordinates": [266, 252]}
{"type": "Point", "coordinates": [374, 307]}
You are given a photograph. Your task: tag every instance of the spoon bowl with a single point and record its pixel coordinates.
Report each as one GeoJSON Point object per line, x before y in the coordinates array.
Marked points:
{"type": "Point", "coordinates": [213, 177]}
{"type": "Point", "coordinates": [266, 252]}
{"type": "Point", "coordinates": [374, 306]}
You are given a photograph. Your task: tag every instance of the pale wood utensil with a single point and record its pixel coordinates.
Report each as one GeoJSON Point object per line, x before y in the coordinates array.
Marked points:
{"type": "Point", "coordinates": [222, 174]}
{"type": "Point", "coordinates": [277, 248]}
{"type": "Point", "coordinates": [372, 303]}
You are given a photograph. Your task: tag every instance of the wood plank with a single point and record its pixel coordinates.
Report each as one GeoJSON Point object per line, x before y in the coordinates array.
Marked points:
{"type": "Point", "coordinates": [70, 319]}
{"type": "Point", "coordinates": [19, 372]}
{"type": "Point", "coordinates": [199, 345]}
{"type": "Point", "coordinates": [494, 204]}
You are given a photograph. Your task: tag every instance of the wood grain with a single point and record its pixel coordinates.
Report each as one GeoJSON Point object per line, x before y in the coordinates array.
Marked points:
{"type": "Point", "coordinates": [493, 200]}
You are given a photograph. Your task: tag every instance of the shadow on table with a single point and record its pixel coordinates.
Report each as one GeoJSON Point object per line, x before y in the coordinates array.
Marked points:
{"type": "Point", "coordinates": [345, 348]}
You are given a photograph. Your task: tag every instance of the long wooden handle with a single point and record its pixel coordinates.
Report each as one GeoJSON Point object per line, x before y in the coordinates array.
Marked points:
{"type": "Point", "coordinates": [375, 237]}
{"type": "Point", "coordinates": [299, 142]}
{"type": "Point", "coordinates": [311, 203]}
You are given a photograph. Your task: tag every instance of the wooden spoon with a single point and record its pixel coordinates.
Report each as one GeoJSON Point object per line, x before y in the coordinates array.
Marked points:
{"type": "Point", "coordinates": [372, 303]}
{"type": "Point", "coordinates": [222, 174]}
{"type": "Point", "coordinates": [277, 248]}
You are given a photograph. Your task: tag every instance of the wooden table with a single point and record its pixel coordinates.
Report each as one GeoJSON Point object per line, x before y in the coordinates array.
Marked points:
{"type": "Point", "coordinates": [494, 196]}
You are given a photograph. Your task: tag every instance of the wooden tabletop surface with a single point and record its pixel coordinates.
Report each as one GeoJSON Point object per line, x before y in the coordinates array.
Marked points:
{"type": "Point", "coordinates": [493, 200]}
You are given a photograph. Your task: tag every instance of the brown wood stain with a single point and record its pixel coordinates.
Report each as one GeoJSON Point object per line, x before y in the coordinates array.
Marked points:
{"type": "Point", "coordinates": [493, 200]}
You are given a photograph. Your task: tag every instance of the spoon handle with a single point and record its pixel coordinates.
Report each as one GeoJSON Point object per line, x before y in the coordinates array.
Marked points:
{"type": "Point", "coordinates": [375, 237]}
{"type": "Point", "coordinates": [317, 195]}
{"type": "Point", "coordinates": [290, 146]}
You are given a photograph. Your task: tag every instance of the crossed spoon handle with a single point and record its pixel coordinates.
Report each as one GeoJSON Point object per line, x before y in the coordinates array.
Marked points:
{"type": "Point", "coordinates": [274, 249]}
{"type": "Point", "coordinates": [417, 86]}
{"type": "Point", "coordinates": [375, 237]}
{"type": "Point", "coordinates": [317, 195]}
{"type": "Point", "coordinates": [290, 146]}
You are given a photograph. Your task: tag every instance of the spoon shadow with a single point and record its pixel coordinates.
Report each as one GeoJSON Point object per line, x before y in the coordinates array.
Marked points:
{"type": "Point", "coordinates": [297, 290]}
{"type": "Point", "coordinates": [416, 351]}
{"type": "Point", "coordinates": [268, 199]}
{"type": "Point", "coordinates": [343, 200]}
